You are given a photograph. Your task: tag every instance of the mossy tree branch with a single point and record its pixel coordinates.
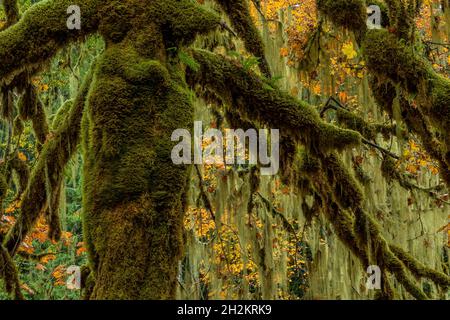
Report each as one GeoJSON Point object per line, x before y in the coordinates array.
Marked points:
{"type": "Point", "coordinates": [340, 191]}
{"type": "Point", "coordinates": [49, 169]}
{"type": "Point", "coordinates": [40, 33]}
{"type": "Point", "coordinates": [239, 13]}
{"type": "Point", "coordinates": [391, 56]}
{"type": "Point", "coordinates": [254, 98]}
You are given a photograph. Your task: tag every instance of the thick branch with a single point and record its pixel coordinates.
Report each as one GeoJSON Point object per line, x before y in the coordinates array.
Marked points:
{"type": "Point", "coordinates": [41, 32]}
{"type": "Point", "coordinates": [239, 13]}
{"type": "Point", "coordinates": [256, 99]}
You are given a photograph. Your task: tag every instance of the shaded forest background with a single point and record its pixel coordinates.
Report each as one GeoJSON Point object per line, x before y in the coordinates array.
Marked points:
{"type": "Point", "coordinates": [251, 237]}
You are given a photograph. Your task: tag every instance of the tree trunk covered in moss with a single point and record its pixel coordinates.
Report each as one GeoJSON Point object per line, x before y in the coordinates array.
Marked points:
{"type": "Point", "coordinates": [133, 193]}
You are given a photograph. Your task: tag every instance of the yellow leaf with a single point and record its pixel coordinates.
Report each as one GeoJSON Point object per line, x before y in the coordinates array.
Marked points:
{"type": "Point", "coordinates": [22, 156]}
{"type": "Point", "coordinates": [349, 51]}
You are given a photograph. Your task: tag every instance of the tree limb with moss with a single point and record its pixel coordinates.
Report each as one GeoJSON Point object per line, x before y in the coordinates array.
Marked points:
{"type": "Point", "coordinates": [136, 95]}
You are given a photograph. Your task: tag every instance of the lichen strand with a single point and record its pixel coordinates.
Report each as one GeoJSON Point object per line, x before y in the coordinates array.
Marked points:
{"type": "Point", "coordinates": [61, 115]}
{"type": "Point", "coordinates": [384, 94]}
{"type": "Point", "coordinates": [6, 103]}
{"type": "Point", "coordinates": [401, 16]}
{"type": "Point", "coordinates": [366, 228]}
{"type": "Point", "coordinates": [40, 124]}
{"type": "Point", "coordinates": [342, 182]}
{"type": "Point", "coordinates": [27, 104]}
{"type": "Point", "coordinates": [239, 13]}
{"type": "Point", "coordinates": [132, 198]}
{"type": "Point", "coordinates": [52, 211]}
{"type": "Point", "coordinates": [390, 58]}
{"type": "Point", "coordinates": [31, 108]}
{"type": "Point", "coordinates": [254, 98]}
{"type": "Point", "coordinates": [356, 228]}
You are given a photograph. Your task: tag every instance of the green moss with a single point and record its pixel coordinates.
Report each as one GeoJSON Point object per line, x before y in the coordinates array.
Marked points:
{"type": "Point", "coordinates": [390, 58]}
{"type": "Point", "coordinates": [402, 15]}
{"type": "Point", "coordinates": [244, 90]}
{"type": "Point", "coordinates": [419, 269]}
{"type": "Point", "coordinates": [18, 126]}
{"type": "Point", "coordinates": [188, 20]}
{"type": "Point", "coordinates": [48, 170]}
{"type": "Point", "coordinates": [239, 13]}
{"type": "Point", "coordinates": [385, 93]}
{"type": "Point", "coordinates": [357, 123]}
{"type": "Point", "coordinates": [52, 210]}
{"type": "Point", "coordinates": [39, 34]}
{"type": "Point", "coordinates": [8, 273]}
{"type": "Point", "coordinates": [387, 56]}
{"type": "Point", "coordinates": [28, 103]}
{"type": "Point", "coordinates": [177, 23]}
{"type": "Point", "coordinates": [132, 198]}
{"type": "Point", "coordinates": [22, 171]}
{"type": "Point", "coordinates": [11, 12]}
{"type": "Point", "coordinates": [31, 108]}
{"type": "Point", "coordinates": [350, 14]}
{"type": "Point", "coordinates": [3, 188]}
{"type": "Point", "coordinates": [394, 264]}
{"type": "Point", "coordinates": [347, 190]}
{"type": "Point", "coordinates": [7, 103]}
{"type": "Point", "coordinates": [40, 124]}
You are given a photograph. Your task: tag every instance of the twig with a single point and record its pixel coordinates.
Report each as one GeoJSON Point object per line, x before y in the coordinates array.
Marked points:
{"type": "Point", "coordinates": [226, 27]}
{"type": "Point", "coordinates": [385, 151]}
{"type": "Point", "coordinates": [204, 195]}
{"type": "Point", "coordinates": [329, 106]}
